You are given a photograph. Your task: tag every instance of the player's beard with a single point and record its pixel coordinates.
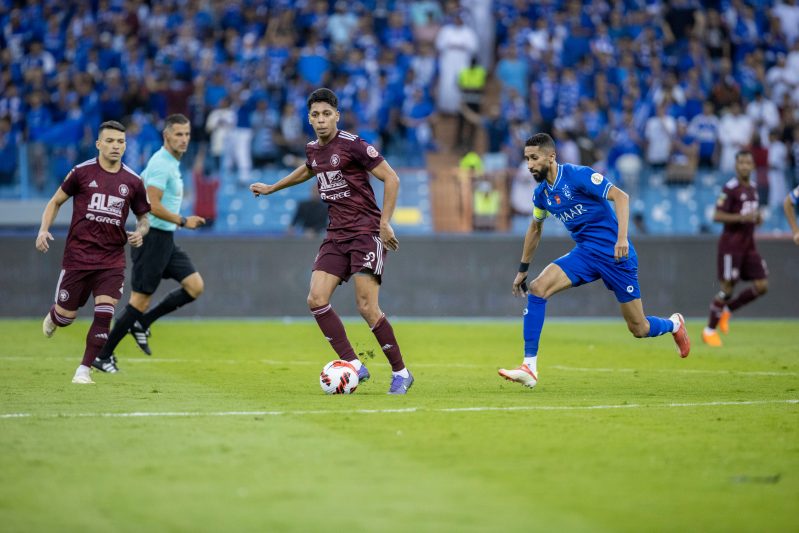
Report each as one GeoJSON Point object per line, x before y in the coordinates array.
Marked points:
{"type": "Point", "coordinates": [541, 175]}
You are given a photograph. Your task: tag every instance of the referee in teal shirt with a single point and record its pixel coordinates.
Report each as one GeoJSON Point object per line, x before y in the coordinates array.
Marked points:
{"type": "Point", "coordinates": [159, 257]}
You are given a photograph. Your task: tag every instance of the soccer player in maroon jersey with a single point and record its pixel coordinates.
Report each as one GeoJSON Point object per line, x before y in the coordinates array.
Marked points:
{"type": "Point", "coordinates": [738, 258]}
{"type": "Point", "coordinates": [358, 233]}
{"type": "Point", "coordinates": [103, 191]}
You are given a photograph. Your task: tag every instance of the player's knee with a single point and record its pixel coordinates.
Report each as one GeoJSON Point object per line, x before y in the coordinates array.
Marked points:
{"type": "Point", "coordinates": [538, 289]}
{"type": "Point", "coordinates": [194, 286]}
{"type": "Point", "coordinates": [316, 300]}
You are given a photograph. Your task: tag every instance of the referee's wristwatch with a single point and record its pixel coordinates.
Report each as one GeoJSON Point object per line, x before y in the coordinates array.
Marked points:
{"type": "Point", "coordinates": [182, 222]}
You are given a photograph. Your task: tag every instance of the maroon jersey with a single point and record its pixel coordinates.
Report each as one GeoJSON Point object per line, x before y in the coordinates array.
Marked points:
{"type": "Point", "coordinates": [101, 201]}
{"type": "Point", "coordinates": [342, 169]}
{"type": "Point", "coordinates": [739, 199]}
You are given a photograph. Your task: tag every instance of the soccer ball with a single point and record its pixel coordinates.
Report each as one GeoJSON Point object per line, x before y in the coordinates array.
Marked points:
{"type": "Point", "coordinates": [338, 377]}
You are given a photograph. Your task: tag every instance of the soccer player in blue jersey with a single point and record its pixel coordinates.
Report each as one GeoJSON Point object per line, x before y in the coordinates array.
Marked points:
{"type": "Point", "coordinates": [578, 197]}
{"type": "Point", "coordinates": [790, 205]}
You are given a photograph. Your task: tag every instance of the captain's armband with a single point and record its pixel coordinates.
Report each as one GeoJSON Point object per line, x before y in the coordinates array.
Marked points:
{"type": "Point", "coordinates": [540, 214]}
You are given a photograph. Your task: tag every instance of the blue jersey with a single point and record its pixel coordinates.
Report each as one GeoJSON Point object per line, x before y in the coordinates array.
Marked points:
{"type": "Point", "coordinates": [795, 197]}
{"type": "Point", "coordinates": [579, 200]}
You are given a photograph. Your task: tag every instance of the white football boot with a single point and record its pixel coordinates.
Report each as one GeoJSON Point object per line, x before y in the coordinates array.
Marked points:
{"type": "Point", "coordinates": [521, 374]}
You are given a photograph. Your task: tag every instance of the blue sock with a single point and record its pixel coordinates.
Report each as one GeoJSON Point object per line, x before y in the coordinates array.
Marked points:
{"type": "Point", "coordinates": [659, 326]}
{"type": "Point", "coordinates": [533, 324]}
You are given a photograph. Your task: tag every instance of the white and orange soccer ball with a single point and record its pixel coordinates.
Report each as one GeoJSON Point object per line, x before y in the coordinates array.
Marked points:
{"type": "Point", "coordinates": [338, 377]}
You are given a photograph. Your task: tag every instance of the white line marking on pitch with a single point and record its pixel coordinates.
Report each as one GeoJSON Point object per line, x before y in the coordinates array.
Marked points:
{"type": "Point", "coordinates": [185, 414]}
{"type": "Point", "coordinates": [297, 362]}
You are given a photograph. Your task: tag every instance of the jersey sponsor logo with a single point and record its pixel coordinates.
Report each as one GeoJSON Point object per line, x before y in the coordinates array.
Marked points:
{"type": "Point", "coordinates": [331, 180]}
{"type": "Point", "coordinates": [63, 295]}
{"type": "Point", "coordinates": [106, 204]}
{"type": "Point", "coordinates": [334, 160]}
{"type": "Point", "coordinates": [596, 178]}
{"type": "Point", "coordinates": [104, 219]}
{"type": "Point", "coordinates": [371, 151]}
{"type": "Point", "coordinates": [123, 190]}
{"type": "Point", "coordinates": [572, 213]}
{"type": "Point", "coordinates": [313, 164]}
{"type": "Point", "coordinates": [93, 184]}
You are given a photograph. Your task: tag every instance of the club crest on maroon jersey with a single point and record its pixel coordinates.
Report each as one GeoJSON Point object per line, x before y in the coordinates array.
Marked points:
{"type": "Point", "coordinates": [334, 160]}
{"type": "Point", "coordinates": [123, 190]}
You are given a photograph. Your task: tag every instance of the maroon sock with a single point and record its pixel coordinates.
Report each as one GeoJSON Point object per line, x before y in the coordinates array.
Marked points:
{"type": "Point", "coordinates": [60, 320]}
{"type": "Point", "coordinates": [744, 298]}
{"type": "Point", "coordinates": [334, 332]}
{"type": "Point", "coordinates": [388, 342]}
{"type": "Point", "coordinates": [716, 308]}
{"type": "Point", "coordinates": [98, 332]}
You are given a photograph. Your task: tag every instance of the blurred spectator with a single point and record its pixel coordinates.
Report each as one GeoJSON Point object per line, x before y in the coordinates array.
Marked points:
{"type": "Point", "coordinates": [726, 89]}
{"type": "Point", "coordinates": [220, 124]}
{"type": "Point", "coordinates": [471, 82]}
{"type": "Point", "coordinates": [705, 129]}
{"type": "Point", "coordinates": [764, 114]}
{"type": "Point", "coordinates": [264, 121]}
{"type": "Point", "coordinates": [486, 205]}
{"type": "Point", "coordinates": [456, 44]}
{"type": "Point", "coordinates": [205, 189]}
{"type": "Point", "coordinates": [760, 155]}
{"type": "Point", "coordinates": [659, 134]}
{"type": "Point", "coordinates": [735, 132]}
{"type": "Point", "coordinates": [311, 215]}
{"type": "Point", "coordinates": [777, 170]}
{"type": "Point", "coordinates": [684, 155]}
{"type": "Point", "coordinates": [8, 153]}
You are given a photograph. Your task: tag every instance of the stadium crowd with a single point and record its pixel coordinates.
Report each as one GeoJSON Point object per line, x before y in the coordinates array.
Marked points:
{"type": "Point", "coordinates": [622, 85]}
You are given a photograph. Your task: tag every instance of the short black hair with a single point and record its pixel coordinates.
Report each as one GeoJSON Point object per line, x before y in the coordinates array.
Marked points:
{"type": "Point", "coordinates": [110, 125]}
{"type": "Point", "coordinates": [176, 118]}
{"type": "Point", "coordinates": [323, 95]}
{"type": "Point", "coordinates": [743, 153]}
{"type": "Point", "coordinates": [541, 139]}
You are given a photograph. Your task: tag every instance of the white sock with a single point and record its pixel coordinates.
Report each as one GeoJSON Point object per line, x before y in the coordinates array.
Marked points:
{"type": "Point", "coordinates": [709, 331]}
{"type": "Point", "coordinates": [531, 363]}
{"type": "Point", "coordinates": [83, 369]}
{"type": "Point", "coordinates": [675, 323]}
{"type": "Point", "coordinates": [404, 373]}
{"type": "Point", "coordinates": [356, 363]}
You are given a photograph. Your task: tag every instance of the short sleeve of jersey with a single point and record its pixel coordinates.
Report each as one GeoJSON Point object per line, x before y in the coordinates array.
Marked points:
{"type": "Point", "coordinates": [724, 201]}
{"type": "Point", "coordinates": [365, 154]}
{"type": "Point", "coordinates": [70, 184]}
{"type": "Point", "coordinates": [157, 177]}
{"type": "Point", "coordinates": [140, 203]}
{"type": "Point", "coordinates": [592, 183]}
{"type": "Point", "coordinates": [795, 196]}
{"type": "Point", "coordinates": [539, 208]}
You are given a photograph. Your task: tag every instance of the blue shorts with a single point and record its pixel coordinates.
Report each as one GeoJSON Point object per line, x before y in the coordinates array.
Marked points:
{"type": "Point", "coordinates": [621, 278]}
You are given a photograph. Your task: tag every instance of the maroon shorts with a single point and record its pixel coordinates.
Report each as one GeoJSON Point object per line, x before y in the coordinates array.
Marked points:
{"type": "Point", "coordinates": [343, 258]}
{"type": "Point", "coordinates": [745, 267]}
{"type": "Point", "coordinates": [75, 286]}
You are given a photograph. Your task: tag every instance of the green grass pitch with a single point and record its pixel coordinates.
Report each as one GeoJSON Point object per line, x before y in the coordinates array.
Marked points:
{"type": "Point", "coordinates": [225, 429]}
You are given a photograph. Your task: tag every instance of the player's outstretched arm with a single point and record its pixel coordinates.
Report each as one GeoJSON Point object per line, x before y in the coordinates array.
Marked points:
{"type": "Point", "coordinates": [531, 240]}
{"type": "Point", "coordinates": [621, 204]}
{"type": "Point", "coordinates": [136, 237]}
{"type": "Point", "coordinates": [48, 217]}
{"type": "Point", "coordinates": [300, 174]}
{"type": "Point", "coordinates": [390, 180]}
{"type": "Point", "coordinates": [790, 214]}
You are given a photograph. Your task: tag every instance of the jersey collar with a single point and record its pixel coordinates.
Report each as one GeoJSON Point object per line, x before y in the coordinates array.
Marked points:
{"type": "Point", "coordinates": [557, 178]}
